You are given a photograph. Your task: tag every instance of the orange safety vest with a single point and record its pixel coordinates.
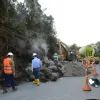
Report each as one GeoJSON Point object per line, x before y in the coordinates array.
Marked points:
{"type": "Point", "coordinates": [7, 66]}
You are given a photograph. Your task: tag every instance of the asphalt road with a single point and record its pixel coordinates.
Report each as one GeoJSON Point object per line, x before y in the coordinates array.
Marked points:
{"type": "Point", "coordinates": [69, 88]}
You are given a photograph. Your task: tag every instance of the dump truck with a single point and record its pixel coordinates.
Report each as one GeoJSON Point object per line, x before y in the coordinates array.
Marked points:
{"type": "Point", "coordinates": [88, 52]}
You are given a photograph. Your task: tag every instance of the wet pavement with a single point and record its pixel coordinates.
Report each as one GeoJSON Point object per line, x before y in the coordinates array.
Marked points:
{"type": "Point", "coordinates": [68, 88]}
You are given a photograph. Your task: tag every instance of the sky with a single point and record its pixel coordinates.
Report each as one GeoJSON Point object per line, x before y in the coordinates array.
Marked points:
{"type": "Point", "coordinates": [76, 21]}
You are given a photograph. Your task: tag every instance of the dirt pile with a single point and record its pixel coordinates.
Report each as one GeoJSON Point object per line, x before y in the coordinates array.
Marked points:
{"type": "Point", "coordinates": [73, 69]}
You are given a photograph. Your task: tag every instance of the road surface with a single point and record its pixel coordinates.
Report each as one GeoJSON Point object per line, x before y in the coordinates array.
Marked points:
{"type": "Point", "coordinates": [68, 88]}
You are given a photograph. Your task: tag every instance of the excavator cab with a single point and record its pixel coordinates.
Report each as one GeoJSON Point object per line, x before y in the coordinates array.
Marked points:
{"type": "Point", "coordinates": [71, 56]}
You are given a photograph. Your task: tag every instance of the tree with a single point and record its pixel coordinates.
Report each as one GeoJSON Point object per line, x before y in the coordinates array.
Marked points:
{"type": "Point", "coordinates": [22, 25]}
{"type": "Point", "coordinates": [73, 47]}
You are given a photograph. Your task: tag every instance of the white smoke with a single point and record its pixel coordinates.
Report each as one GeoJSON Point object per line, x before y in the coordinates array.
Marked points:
{"type": "Point", "coordinates": [39, 45]}
{"type": "Point", "coordinates": [21, 44]}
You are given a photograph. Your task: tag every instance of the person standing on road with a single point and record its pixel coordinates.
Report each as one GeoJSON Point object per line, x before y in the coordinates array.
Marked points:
{"type": "Point", "coordinates": [9, 72]}
{"type": "Point", "coordinates": [36, 65]}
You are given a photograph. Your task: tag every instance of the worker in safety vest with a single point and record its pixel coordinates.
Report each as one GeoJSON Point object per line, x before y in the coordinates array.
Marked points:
{"type": "Point", "coordinates": [36, 65]}
{"type": "Point", "coordinates": [9, 72]}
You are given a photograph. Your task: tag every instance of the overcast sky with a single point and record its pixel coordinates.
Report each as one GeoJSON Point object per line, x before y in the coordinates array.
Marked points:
{"type": "Point", "coordinates": [76, 21]}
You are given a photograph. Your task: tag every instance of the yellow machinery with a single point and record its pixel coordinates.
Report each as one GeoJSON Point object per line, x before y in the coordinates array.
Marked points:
{"type": "Point", "coordinates": [63, 50]}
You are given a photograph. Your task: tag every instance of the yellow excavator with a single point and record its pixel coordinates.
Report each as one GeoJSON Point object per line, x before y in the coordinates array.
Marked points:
{"type": "Point", "coordinates": [63, 50]}
{"type": "Point", "coordinates": [64, 53]}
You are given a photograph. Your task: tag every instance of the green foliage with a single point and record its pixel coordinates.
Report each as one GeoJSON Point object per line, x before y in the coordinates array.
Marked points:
{"type": "Point", "coordinates": [73, 47]}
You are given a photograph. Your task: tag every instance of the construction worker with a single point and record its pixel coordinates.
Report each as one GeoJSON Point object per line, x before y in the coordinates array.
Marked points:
{"type": "Point", "coordinates": [9, 72]}
{"type": "Point", "coordinates": [36, 65]}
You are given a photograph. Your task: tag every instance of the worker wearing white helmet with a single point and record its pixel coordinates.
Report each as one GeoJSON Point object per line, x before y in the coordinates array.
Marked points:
{"type": "Point", "coordinates": [10, 54]}
{"type": "Point", "coordinates": [36, 65]}
{"type": "Point", "coordinates": [34, 54]}
{"type": "Point", "coordinates": [9, 72]}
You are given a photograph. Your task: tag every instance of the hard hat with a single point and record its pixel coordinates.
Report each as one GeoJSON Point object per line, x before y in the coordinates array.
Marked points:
{"type": "Point", "coordinates": [34, 54]}
{"type": "Point", "coordinates": [10, 54]}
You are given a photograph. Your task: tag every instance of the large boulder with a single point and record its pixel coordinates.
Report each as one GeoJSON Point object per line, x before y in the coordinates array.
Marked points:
{"type": "Point", "coordinates": [31, 77]}
{"type": "Point", "coordinates": [58, 75]}
{"type": "Point", "coordinates": [51, 62]}
{"type": "Point", "coordinates": [46, 62]}
{"type": "Point", "coordinates": [28, 69]}
{"type": "Point", "coordinates": [54, 77]}
{"type": "Point", "coordinates": [53, 68]}
{"type": "Point", "coordinates": [46, 71]}
{"type": "Point", "coordinates": [29, 72]}
{"type": "Point", "coordinates": [42, 77]}
{"type": "Point", "coordinates": [60, 65]}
